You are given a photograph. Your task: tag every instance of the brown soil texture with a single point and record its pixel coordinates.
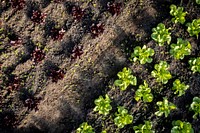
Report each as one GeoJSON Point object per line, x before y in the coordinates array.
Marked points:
{"type": "Point", "coordinates": [35, 100]}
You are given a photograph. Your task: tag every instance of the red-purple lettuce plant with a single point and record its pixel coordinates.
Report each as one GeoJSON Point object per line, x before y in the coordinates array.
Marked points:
{"type": "Point", "coordinates": [77, 13]}
{"type": "Point", "coordinates": [14, 83]}
{"type": "Point", "coordinates": [77, 52]}
{"type": "Point", "coordinates": [32, 103]}
{"type": "Point", "coordinates": [56, 74]}
{"type": "Point", "coordinates": [57, 34]}
{"type": "Point", "coordinates": [38, 17]}
{"type": "Point", "coordinates": [96, 29]}
{"type": "Point", "coordinates": [38, 55]}
{"type": "Point", "coordinates": [114, 7]}
{"type": "Point", "coordinates": [17, 4]}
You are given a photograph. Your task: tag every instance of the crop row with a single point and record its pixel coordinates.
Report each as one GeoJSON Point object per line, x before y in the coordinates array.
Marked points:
{"type": "Point", "coordinates": [182, 48]}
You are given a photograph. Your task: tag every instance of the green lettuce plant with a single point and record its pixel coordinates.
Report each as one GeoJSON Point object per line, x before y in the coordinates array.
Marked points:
{"type": "Point", "coordinates": [103, 105]}
{"type": "Point", "coordinates": [85, 128]}
{"type": "Point", "coordinates": [180, 49]}
{"type": "Point", "coordinates": [122, 117]}
{"type": "Point", "coordinates": [179, 87]}
{"type": "Point", "coordinates": [195, 64]}
{"type": "Point", "coordinates": [195, 106]}
{"type": "Point", "coordinates": [164, 107]}
{"type": "Point", "coordinates": [178, 13]}
{"type": "Point", "coordinates": [198, 1]}
{"type": "Point", "coordinates": [181, 127]}
{"type": "Point", "coordinates": [161, 34]}
{"type": "Point", "coordinates": [144, 92]}
{"type": "Point", "coordinates": [142, 54]}
{"type": "Point", "coordinates": [161, 73]}
{"type": "Point", "coordinates": [194, 27]}
{"type": "Point", "coordinates": [125, 79]}
{"type": "Point", "coordinates": [146, 128]}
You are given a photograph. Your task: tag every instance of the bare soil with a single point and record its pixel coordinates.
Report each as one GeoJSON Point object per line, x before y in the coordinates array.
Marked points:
{"type": "Point", "coordinates": [60, 107]}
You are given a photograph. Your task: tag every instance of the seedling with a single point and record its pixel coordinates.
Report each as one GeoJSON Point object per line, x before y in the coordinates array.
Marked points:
{"type": "Point", "coordinates": [96, 29]}
{"type": "Point", "coordinates": [164, 107]}
{"type": "Point", "coordinates": [122, 117]}
{"type": "Point", "coordinates": [17, 4]}
{"type": "Point", "coordinates": [103, 105]}
{"type": "Point", "coordinates": [38, 17]}
{"type": "Point", "coordinates": [195, 64]}
{"type": "Point", "coordinates": [194, 27]}
{"type": "Point", "coordinates": [142, 54]}
{"type": "Point", "coordinates": [146, 128]}
{"type": "Point", "coordinates": [161, 73]}
{"type": "Point", "coordinates": [181, 127]}
{"type": "Point", "coordinates": [195, 106]}
{"type": "Point", "coordinates": [114, 8]}
{"type": "Point", "coordinates": [56, 74]}
{"type": "Point", "coordinates": [77, 13]}
{"type": "Point", "coordinates": [57, 34]}
{"type": "Point", "coordinates": [77, 52]}
{"type": "Point", "coordinates": [14, 84]}
{"type": "Point", "coordinates": [85, 128]}
{"type": "Point", "coordinates": [180, 49]}
{"type": "Point", "coordinates": [32, 103]}
{"type": "Point", "coordinates": [179, 87]}
{"type": "Point", "coordinates": [161, 34]}
{"type": "Point", "coordinates": [125, 79]}
{"type": "Point", "coordinates": [37, 55]}
{"type": "Point", "coordinates": [179, 15]}
{"type": "Point", "coordinates": [144, 92]}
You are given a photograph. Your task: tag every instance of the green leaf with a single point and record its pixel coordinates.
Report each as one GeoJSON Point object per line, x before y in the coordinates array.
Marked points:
{"type": "Point", "coordinates": [103, 105]}
{"type": "Point", "coordinates": [118, 82]}
{"type": "Point", "coordinates": [122, 117]}
{"type": "Point", "coordinates": [125, 79]}
{"type": "Point", "coordinates": [161, 73]}
{"type": "Point", "coordinates": [164, 107]}
{"type": "Point", "coordinates": [85, 128]}
{"type": "Point", "coordinates": [161, 35]}
{"type": "Point", "coordinates": [194, 27]}
{"type": "Point", "coordinates": [142, 54]}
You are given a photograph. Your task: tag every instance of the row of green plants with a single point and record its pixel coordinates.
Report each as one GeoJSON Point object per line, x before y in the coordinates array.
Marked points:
{"type": "Point", "coordinates": [178, 127]}
{"type": "Point", "coordinates": [144, 55]}
{"type": "Point", "coordinates": [123, 118]}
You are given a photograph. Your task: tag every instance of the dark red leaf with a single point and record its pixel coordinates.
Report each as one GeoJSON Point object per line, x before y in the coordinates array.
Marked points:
{"type": "Point", "coordinates": [114, 8]}
{"type": "Point", "coordinates": [38, 55]}
{"type": "Point", "coordinates": [38, 17]}
{"type": "Point", "coordinates": [96, 29]}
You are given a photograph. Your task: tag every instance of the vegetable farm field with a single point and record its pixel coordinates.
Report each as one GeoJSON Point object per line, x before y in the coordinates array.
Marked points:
{"type": "Point", "coordinates": [99, 66]}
